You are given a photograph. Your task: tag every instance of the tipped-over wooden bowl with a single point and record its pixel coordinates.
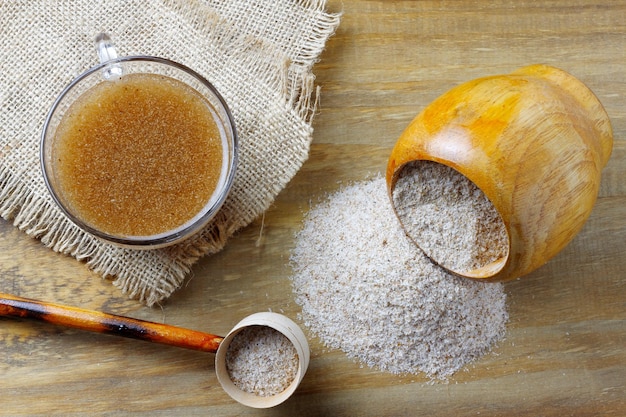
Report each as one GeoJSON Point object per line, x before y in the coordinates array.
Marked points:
{"type": "Point", "coordinates": [534, 141]}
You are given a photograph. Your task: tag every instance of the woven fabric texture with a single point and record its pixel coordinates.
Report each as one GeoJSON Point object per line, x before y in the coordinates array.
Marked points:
{"type": "Point", "coordinates": [259, 55]}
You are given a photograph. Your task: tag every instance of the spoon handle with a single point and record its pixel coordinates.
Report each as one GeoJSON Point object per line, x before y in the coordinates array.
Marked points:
{"type": "Point", "coordinates": [98, 322]}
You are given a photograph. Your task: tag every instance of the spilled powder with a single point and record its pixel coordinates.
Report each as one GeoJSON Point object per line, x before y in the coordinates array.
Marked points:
{"type": "Point", "coordinates": [468, 232]}
{"type": "Point", "coordinates": [262, 361]}
{"type": "Point", "coordinates": [366, 289]}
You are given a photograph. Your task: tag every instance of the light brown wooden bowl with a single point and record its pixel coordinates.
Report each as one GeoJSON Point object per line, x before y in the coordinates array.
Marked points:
{"type": "Point", "coordinates": [534, 141]}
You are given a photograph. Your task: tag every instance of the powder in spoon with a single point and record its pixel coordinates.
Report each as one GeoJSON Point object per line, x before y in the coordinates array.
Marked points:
{"type": "Point", "coordinates": [261, 360]}
{"type": "Point", "coordinates": [366, 289]}
{"type": "Point", "coordinates": [468, 232]}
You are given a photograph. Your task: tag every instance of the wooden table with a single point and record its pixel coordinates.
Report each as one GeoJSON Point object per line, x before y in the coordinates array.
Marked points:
{"type": "Point", "coordinates": [565, 352]}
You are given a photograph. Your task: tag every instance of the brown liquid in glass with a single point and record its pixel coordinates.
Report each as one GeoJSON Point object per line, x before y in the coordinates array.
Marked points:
{"type": "Point", "coordinates": [138, 156]}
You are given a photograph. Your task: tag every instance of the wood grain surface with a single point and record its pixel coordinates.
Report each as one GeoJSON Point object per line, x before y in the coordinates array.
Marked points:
{"type": "Point", "coordinates": [565, 351]}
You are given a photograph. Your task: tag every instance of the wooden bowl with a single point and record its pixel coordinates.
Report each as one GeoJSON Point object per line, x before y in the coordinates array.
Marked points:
{"type": "Point", "coordinates": [534, 141]}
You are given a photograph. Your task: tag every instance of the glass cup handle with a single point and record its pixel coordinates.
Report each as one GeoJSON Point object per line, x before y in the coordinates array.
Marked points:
{"type": "Point", "coordinates": [106, 52]}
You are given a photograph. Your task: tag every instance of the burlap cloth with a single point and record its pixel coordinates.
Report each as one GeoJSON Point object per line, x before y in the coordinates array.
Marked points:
{"type": "Point", "coordinates": [259, 55]}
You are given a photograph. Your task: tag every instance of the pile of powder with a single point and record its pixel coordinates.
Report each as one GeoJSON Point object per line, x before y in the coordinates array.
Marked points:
{"type": "Point", "coordinates": [262, 361]}
{"type": "Point", "coordinates": [468, 232]}
{"type": "Point", "coordinates": [366, 289]}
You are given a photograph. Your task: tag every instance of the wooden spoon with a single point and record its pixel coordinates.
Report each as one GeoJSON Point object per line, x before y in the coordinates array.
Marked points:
{"type": "Point", "coordinates": [94, 321]}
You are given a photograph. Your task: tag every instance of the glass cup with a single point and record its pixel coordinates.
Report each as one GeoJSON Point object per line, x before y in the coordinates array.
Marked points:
{"type": "Point", "coordinates": [110, 70]}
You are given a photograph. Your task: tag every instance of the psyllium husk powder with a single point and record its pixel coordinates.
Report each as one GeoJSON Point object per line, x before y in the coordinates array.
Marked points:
{"type": "Point", "coordinates": [366, 289]}
{"type": "Point", "coordinates": [449, 217]}
{"type": "Point", "coordinates": [262, 361]}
